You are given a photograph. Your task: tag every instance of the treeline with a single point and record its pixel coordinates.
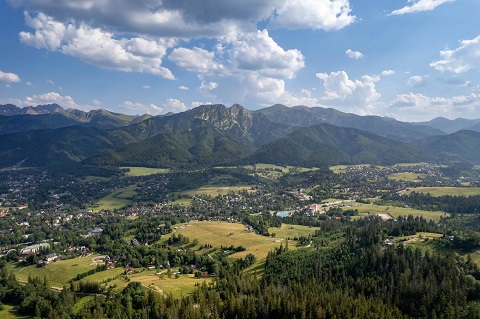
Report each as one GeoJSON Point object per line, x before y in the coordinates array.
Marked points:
{"type": "Point", "coordinates": [446, 203]}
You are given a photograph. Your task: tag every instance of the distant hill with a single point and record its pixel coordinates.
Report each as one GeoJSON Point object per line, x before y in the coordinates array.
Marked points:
{"type": "Point", "coordinates": [307, 116]}
{"type": "Point", "coordinates": [200, 146]}
{"type": "Point", "coordinates": [51, 147]}
{"type": "Point", "coordinates": [460, 146]}
{"type": "Point", "coordinates": [236, 121]}
{"type": "Point", "coordinates": [54, 116]}
{"type": "Point", "coordinates": [330, 145]}
{"type": "Point", "coordinates": [452, 126]}
{"type": "Point", "coordinates": [216, 134]}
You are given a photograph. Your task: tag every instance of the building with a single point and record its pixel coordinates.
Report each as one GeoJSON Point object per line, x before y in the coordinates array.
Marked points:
{"type": "Point", "coordinates": [33, 249]}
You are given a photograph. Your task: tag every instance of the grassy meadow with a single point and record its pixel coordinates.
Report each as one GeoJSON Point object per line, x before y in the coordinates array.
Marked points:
{"type": "Point", "coordinates": [58, 273]}
{"type": "Point", "coordinates": [440, 191]}
{"type": "Point", "coordinates": [144, 171]}
{"type": "Point", "coordinates": [220, 234]}
{"type": "Point", "coordinates": [407, 176]}
{"type": "Point", "coordinates": [398, 211]}
{"type": "Point", "coordinates": [116, 199]}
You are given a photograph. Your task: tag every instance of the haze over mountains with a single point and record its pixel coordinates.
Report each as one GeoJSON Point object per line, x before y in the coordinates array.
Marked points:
{"type": "Point", "coordinates": [215, 134]}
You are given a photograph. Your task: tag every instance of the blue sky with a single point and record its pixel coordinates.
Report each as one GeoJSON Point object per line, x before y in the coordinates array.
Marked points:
{"type": "Point", "coordinates": [408, 59]}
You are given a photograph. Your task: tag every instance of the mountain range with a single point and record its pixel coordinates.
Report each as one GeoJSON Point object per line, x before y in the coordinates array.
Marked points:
{"type": "Point", "coordinates": [218, 135]}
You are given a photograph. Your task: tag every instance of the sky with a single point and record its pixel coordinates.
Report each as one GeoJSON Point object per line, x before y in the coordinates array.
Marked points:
{"type": "Point", "coordinates": [412, 60]}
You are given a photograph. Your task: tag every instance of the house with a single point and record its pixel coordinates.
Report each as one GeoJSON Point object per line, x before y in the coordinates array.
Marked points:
{"type": "Point", "coordinates": [33, 249]}
{"type": "Point", "coordinates": [51, 257]}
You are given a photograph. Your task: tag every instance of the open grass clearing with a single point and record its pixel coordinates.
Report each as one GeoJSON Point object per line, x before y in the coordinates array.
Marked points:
{"type": "Point", "coordinates": [217, 190]}
{"type": "Point", "coordinates": [226, 234]}
{"type": "Point", "coordinates": [9, 312]}
{"type": "Point", "coordinates": [116, 199]}
{"type": "Point", "coordinates": [58, 273]}
{"type": "Point", "coordinates": [104, 275]}
{"type": "Point", "coordinates": [440, 191]}
{"type": "Point", "coordinates": [398, 211]}
{"type": "Point", "coordinates": [178, 287]}
{"type": "Point", "coordinates": [408, 164]}
{"type": "Point", "coordinates": [435, 246]}
{"type": "Point", "coordinates": [338, 169]}
{"type": "Point", "coordinates": [144, 171]}
{"type": "Point", "coordinates": [82, 302]}
{"type": "Point", "coordinates": [407, 176]}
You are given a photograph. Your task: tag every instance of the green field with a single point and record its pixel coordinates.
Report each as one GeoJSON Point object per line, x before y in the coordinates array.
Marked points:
{"type": "Point", "coordinates": [220, 234]}
{"type": "Point", "coordinates": [217, 190]}
{"type": "Point", "coordinates": [178, 287]}
{"type": "Point", "coordinates": [408, 164]}
{"type": "Point", "coordinates": [116, 199]}
{"type": "Point", "coordinates": [144, 171]}
{"type": "Point", "coordinates": [338, 169]}
{"type": "Point", "coordinates": [434, 246]}
{"type": "Point", "coordinates": [440, 191]}
{"type": "Point", "coordinates": [398, 211]}
{"type": "Point", "coordinates": [57, 273]}
{"type": "Point", "coordinates": [9, 312]}
{"type": "Point", "coordinates": [407, 176]}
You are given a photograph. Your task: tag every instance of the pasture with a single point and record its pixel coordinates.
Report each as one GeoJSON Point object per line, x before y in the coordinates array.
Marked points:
{"type": "Point", "coordinates": [178, 287]}
{"type": "Point", "coordinates": [144, 171]}
{"type": "Point", "coordinates": [407, 176]}
{"type": "Point", "coordinates": [58, 273]}
{"type": "Point", "coordinates": [217, 190]}
{"type": "Point", "coordinates": [226, 234]}
{"type": "Point", "coordinates": [440, 191]}
{"type": "Point", "coordinates": [9, 312]}
{"type": "Point", "coordinates": [398, 211]}
{"type": "Point", "coordinates": [116, 199]}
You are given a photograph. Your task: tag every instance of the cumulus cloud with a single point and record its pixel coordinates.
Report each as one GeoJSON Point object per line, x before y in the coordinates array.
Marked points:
{"type": "Point", "coordinates": [453, 80]}
{"type": "Point", "coordinates": [417, 80]}
{"type": "Point", "coordinates": [354, 54]}
{"type": "Point", "coordinates": [419, 106]}
{"type": "Point", "coordinates": [313, 14]}
{"type": "Point", "coordinates": [139, 108]}
{"type": "Point", "coordinates": [174, 105]}
{"type": "Point", "coordinates": [420, 5]}
{"type": "Point", "coordinates": [388, 72]}
{"type": "Point", "coordinates": [197, 19]}
{"type": "Point", "coordinates": [259, 52]}
{"type": "Point", "coordinates": [147, 86]}
{"type": "Point", "coordinates": [98, 47]}
{"type": "Point", "coordinates": [67, 102]}
{"type": "Point", "coordinates": [337, 86]}
{"type": "Point", "coordinates": [183, 88]}
{"type": "Point", "coordinates": [195, 60]}
{"type": "Point", "coordinates": [9, 77]}
{"type": "Point", "coordinates": [208, 87]}
{"type": "Point", "coordinates": [461, 59]}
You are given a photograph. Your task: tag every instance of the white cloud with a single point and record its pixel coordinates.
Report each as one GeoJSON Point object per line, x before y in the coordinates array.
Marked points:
{"type": "Point", "coordinates": [147, 86]}
{"type": "Point", "coordinates": [8, 86]}
{"type": "Point", "coordinates": [313, 14]}
{"type": "Point", "coordinates": [412, 106]}
{"type": "Point", "coordinates": [51, 82]}
{"type": "Point", "coordinates": [67, 102]}
{"type": "Point", "coordinates": [197, 104]}
{"type": "Point", "coordinates": [29, 83]}
{"type": "Point", "coordinates": [420, 5]}
{"type": "Point", "coordinates": [195, 60]}
{"type": "Point", "coordinates": [460, 60]}
{"type": "Point", "coordinates": [259, 52]}
{"type": "Point", "coordinates": [183, 87]}
{"type": "Point", "coordinates": [174, 105]}
{"type": "Point", "coordinates": [97, 102]}
{"type": "Point", "coordinates": [453, 80]}
{"type": "Point", "coordinates": [139, 108]}
{"type": "Point", "coordinates": [388, 72]}
{"type": "Point", "coordinates": [98, 47]}
{"type": "Point", "coordinates": [9, 77]}
{"type": "Point", "coordinates": [208, 87]}
{"type": "Point", "coordinates": [337, 86]}
{"type": "Point", "coordinates": [417, 80]}
{"type": "Point", "coordinates": [354, 54]}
